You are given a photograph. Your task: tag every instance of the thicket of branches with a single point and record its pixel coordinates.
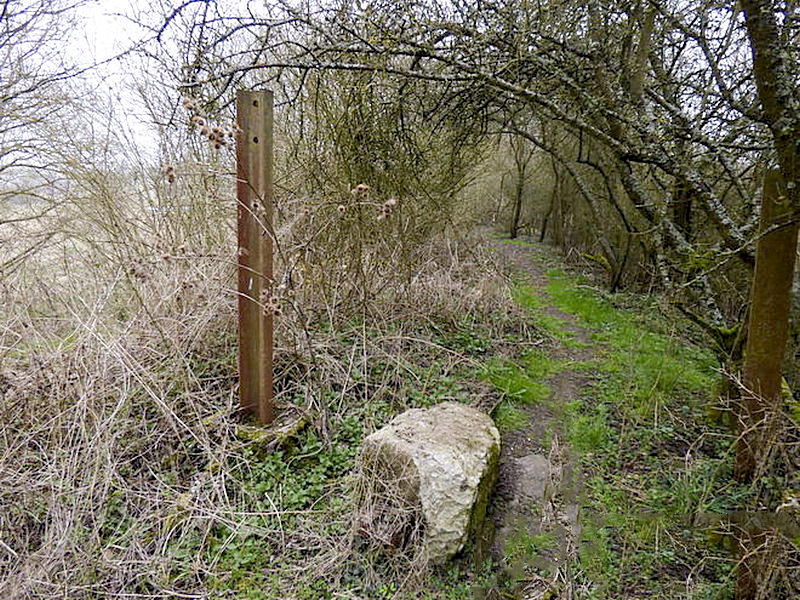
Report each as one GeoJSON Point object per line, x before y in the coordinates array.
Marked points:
{"type": "Point", "coordinates": [123, 455]}
{"type": "Point", "coordinates": [635, 134]}
{"type": "Point", "coordinates": [648, 109]}
{"type": "Point", "coordinates": [648, 113]}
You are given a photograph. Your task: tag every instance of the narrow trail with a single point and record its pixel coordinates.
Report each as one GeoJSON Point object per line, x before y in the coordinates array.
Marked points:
{"type": "Point", "coordinates": [539, 488]}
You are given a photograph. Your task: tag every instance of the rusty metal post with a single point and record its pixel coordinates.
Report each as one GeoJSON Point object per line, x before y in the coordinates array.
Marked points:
{"type": "Point", "coordinates": [254, 194]}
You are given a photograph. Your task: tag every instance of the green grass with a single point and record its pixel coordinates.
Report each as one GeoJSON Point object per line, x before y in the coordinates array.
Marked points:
{"type": "Point", "coordinates": [523, 384]}
{"type": "Point", "coordinates": [588, 432]}
{"type": "Point", "coordinates": [540, 365]}
{"type": "Point", "coordinates": [646, 369]}
{"type": "Point", "coordinates": [633, 430]}
{"type": "Point", "coordinates": [304, 489]}
{"type": "Point", "coordinates": [508, 417]}
{"type": "Point", "coordinates": [523, 544]}
{"type": "Point", "coordinates": [532, 300]}
{"type": "Point", "coordinates": [298, 477]}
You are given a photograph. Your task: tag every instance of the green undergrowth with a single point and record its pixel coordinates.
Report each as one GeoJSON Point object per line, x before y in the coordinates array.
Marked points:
{"type": "Point", "coordinates": [289, 532]}
{"type": "Point", "coordinates": [532, 300]}
{"type": "Point", "coordinates": [650, 458]}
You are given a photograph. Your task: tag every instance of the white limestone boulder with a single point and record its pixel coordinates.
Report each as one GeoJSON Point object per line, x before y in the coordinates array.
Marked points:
{"type": "Point", "coordinates": [425, 480]}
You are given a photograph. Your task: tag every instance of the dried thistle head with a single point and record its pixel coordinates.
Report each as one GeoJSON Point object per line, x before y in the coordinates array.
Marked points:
{"type": "Point", "coordinates": [361, 191]}
{"type": "Point", "coordinates": [217, 136]}
{"type": "Point", "coordinates": [138, 271]}
{"type": "Point", "coordinates": [341, 209]}
{"type": "Point", "coordinates": [169, 172]}
{"type": "Point", "coordinates": [386, 209]}
{"type": "Point", "coordinates": [190, 103]}
{"type": "Point", "coordinates": [271, 304]}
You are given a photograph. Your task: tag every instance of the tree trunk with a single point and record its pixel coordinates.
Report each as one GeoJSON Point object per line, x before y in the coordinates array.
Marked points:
{"type": "Point", "coordinates": [514, 229]}
{"type": "Point", "coordinates": [522, 158]}
{"type": "Point", "coordinates": [775, 257]}
{"type": "Point", "coordinates": [776, 90]}
{"type": "Point", "coordinates": [772, 282]}
{"type": "Point", "coordinates": [556, 212]}
{"type": "Point", "coordinates": [769, 325]}
{"type": "Point", "coordinates": [766, 344]}
{"type": "Point", "coordinates": [682, 209]}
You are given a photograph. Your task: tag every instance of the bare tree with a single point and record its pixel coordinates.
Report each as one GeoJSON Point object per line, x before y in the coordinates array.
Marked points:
{"type": "Point", "coordinates": [32, 93]}
{"type": "Point", "coordinates": [772, 284]}
{"type": "Point", "coordinates": [657, 106]}
{"type": "Point", "coordinates": [523, 155]}
{"type": "Point", "coordinates": [772, 29]}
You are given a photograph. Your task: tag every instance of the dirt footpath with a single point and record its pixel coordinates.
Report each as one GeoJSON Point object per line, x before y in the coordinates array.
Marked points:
{"type": "Point", "coordinates": [536, 512]}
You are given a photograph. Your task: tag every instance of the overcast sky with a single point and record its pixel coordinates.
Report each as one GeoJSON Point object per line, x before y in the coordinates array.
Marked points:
{"type": "Point", "coordinates": [104, 32]}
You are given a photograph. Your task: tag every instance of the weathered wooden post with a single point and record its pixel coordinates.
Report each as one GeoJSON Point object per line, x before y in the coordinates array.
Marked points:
{"type": "Point", "coordinates": [254, 194]}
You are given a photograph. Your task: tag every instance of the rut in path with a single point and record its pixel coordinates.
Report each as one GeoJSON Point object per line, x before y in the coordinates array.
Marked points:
{"type": "Point", "coordinates": [537, 500]}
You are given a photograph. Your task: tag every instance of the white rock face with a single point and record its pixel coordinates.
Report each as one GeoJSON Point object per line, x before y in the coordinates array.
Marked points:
{"type": "Point", "coordinates": [426, 477]}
